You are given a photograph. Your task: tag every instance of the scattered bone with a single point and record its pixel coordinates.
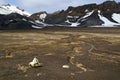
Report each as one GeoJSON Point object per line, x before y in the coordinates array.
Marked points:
{"type": "Point", "coordinates": [82, 36]}
{"type": "Point", "coordinates": [81, 66]}
{"type": "Point", "coordinates": [22, 68]}
{"type": "Point", "coordinates": [9, 55]}
{"type": "Point", "coordinates": [35, 63]}
{"type": "Point", "coordinates": [49, 54]}
{"type": "Point", "coordinates": [77, 50]}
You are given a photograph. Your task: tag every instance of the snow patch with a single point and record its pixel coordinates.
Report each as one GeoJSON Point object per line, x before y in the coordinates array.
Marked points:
{"type": "Point", "coordinates": [103, 26]}
{"type": "Point", "coordinates": [106, 21]}
{"type": "Point", "coordinates": [37, 27]}
{"type": "Point", "coordinates": [69, 16]}
{"type": "Point", "coordinates": [70, 12]}
{"type": "Point", "coordinates": [86, 10]}
{"type": "Point", "coordinates": [43, 16]}
{"type": "Point", "coordinates": [88, 14]}
{"type": "Point", "coordinates": [39, 22]}
{"type": "Point", "coordinates": [84, 17]}
{"type": "Point", "coordinates": [32, 22]}
{"type": "Point", "coordinates": [72, 24]}
{"type": "Point", "coordinates": [24, 19]}
{"type": "Point", "coordinates": [73, 17]}
{"type": "Point", "coordinates": [116, 17]}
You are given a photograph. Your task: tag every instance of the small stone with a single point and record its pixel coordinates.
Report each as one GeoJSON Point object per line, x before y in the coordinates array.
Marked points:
{"type": "Point", "coordinates": [39, 74]}
{"type": "Point", "coordinates": [72, 74]}
{"type": "Point", "coordinates": [66, 66]}
{"type": "Point", "coordinates": [26, 75]}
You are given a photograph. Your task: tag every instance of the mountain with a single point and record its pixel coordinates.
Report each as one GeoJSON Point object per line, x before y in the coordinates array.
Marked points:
{"type": "Point", "coordinates": [106, 14]}
{"type": "Point", "coordinates": [12, 17]}
{"type": "Point", "coordinates": [40, 16]}
{"type": "Point", "coordinates": [8, 9]}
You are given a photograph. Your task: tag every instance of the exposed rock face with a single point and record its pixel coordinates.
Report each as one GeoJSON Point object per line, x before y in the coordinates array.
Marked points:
{"type": "Point", "coordinates": [14, 21]}
{"type": "Point", "coordinates": [55, 18]}
{"type": "Point", "coordinates": [17, 21]}
{"type": "Point", "coordinates": [86, 15]}
{"type": "Point", "coordinates": [93, 19]}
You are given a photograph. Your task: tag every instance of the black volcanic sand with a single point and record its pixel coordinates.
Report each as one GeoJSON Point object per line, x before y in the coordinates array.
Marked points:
{"type": "Point", "coordinates": [91, 54]}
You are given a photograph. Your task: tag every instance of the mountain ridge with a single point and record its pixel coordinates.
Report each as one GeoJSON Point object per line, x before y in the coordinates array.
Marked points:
{"type": "Point", "coordinates": [106, 14]}
{"type": "Point", "coordinates": [86, 15]}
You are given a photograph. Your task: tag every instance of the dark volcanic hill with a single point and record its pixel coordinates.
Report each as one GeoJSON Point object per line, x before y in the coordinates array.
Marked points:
{"type": "Point", "coordinates": [104, 14]}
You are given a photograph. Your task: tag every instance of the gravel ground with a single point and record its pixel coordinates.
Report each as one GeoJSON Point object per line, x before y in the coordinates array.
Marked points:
{"type": "Point", "coordinates": [89, 54]}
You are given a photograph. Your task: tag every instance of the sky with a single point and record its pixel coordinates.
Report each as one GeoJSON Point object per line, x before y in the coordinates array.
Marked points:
{"type": "Point", "coordinates": [33, 6]}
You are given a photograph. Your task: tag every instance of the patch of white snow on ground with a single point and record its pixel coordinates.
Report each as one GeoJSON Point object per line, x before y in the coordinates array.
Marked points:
{"type": "Point", "coordinates": [24, 19]}
{"type": "Point", "coordinates": [74, 24]}
{"type": "Point", "coordinates": [116, 17]}
{"type": "Point", "coordinates": [39, 22]}
{"type": "Point", "coordinates": [107, 23]}
{"type": "Point", "coordinates": [37, 27]}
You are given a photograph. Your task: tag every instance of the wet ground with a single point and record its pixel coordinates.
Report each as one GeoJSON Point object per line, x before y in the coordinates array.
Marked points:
{"type": "Point", "coordinates": [91, 54]}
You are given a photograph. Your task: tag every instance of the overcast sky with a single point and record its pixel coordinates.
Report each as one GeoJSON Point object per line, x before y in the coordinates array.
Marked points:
{"type": "Point", "coordinates": [33, 6]}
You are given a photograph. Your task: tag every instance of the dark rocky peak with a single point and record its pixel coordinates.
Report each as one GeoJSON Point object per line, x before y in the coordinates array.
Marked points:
{"type": "Point", "coordinates": [109, 2]}
{"type": "Point", "coordinates": [70, 8]}
{"type": "Point", "coordinates": [109, 6]}
{"type": "Point", "coordinates": [7, 5]}
{"type": "Point", "coordinates": [81, 10]}
{"type": "Point", "coordinates": [57, 12]}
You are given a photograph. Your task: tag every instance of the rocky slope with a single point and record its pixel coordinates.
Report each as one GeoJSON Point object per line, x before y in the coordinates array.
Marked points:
{"type": "Point", "coordinates": [104, 14]}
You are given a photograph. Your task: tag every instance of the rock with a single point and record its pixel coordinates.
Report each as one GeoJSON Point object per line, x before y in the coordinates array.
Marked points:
{"type": "Point", "coordinates": [66, 66]}
{"type": "Point", "coordinates": [35, 63]}
{"type": "Point", "coordinates": [39, 74]}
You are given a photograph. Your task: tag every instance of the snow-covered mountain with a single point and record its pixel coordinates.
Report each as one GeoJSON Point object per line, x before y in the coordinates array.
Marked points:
{"type": "Point", "coordinates": [12, 17]}
{"type": "Point", "coordinates": [106, 14]}
{"type": "Point", "coordinates": [8, 9]}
